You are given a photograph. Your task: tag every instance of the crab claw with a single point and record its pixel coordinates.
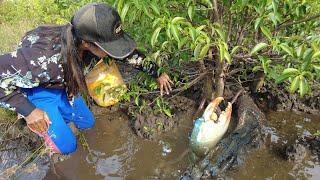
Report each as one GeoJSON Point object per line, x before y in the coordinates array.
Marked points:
{"type": "Point", "coordinates": [210, 112]}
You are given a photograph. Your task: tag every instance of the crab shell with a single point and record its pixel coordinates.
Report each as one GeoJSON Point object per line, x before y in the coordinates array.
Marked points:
{"type": "Point", "coordinates": [209, 129]}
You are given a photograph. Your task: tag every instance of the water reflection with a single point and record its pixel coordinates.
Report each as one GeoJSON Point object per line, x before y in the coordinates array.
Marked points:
{"type": "Point", "coordinates": [109, 167]}
{"type": "Point", "coordinates": [116, 153]}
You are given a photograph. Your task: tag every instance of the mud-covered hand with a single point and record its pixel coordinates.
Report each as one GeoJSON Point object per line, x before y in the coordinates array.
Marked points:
{"type": "Point", "coordinates": [164, 83]}
{"type": "Point", "coordinates": [38, 121]}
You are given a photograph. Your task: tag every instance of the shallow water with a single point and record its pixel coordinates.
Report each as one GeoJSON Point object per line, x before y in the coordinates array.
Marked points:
{"type": "Point", "coordinates": [116, 153]}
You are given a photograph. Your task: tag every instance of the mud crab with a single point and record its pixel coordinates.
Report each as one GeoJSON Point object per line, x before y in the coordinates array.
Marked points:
{"type": "Point", "coordinates": [210, 128]}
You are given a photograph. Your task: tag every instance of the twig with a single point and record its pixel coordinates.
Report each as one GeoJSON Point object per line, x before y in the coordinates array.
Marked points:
{"type": "Point", "coordinates": [298, 22]}
{"type": "Point", "coordinates": [237, 95]}
{"type": "Point", "coordinates": [181, 88]}
{"type": "Point", "coordinates": [203, 101]}
{"type": "Point", "coordinates": [5, 133]}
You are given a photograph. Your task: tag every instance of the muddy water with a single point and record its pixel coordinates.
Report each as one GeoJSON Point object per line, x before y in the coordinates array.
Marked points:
{"type": "Point", "coordinates": [284, 128]}
{"type": "Point", "coordinates": [116, 153]}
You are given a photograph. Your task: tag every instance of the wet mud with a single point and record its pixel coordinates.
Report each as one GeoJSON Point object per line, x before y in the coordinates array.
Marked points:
{"type": "Point", "coordinates": [113, 150]}
{"type": "Point", "coordinates": [150, 123]}
{"type": "Point", "coordinates": [20, 153]}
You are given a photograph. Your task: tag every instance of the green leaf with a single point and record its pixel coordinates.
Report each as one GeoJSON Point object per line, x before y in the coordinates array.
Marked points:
{"type": "Point", "coordinates": [177, 20]}
{"type": "Point", "coordinates": [316, 66]}
{"type": "Point", "coordinates": [282, 78]}
{"type": "Point", "coordinates": [155, 8]}
{"type": "Point", "coordinates": [234, 50]}
{"type": "Point", "coordinates": [256, 68]}
{"type": "Point", "coordinates": [291, 71]}
{"type": "Point", "coordinates": [124, 11]}
{"type": "Point", "coordinates": [294, 84]}
{"type": "Point", "coordinates": [209, 3]}
{"type": "Point", "coordinates": [222, 51]}
{"type": "Point", "coordinates": [146, 11]}
{"type": "Point", "coordinates": [182, 42]}
{"type": "Point", "coordinates": [167, 112]}
{"type": "Point", "coordinates": [287, 49]}
{"type": "Point", "coordinates": [316, 55]}
{"type": "Point", "coordinates": [303, 88]}
{"type": "Point", "coordinates": [191, 12]}
{"type": "Point", "coordinates": [204, 51]}
{"type": "Point", "coordinates": [307, 55]}
{"type": "Point", "coordinates": [299, 51]}
{"type": "Point", "coordinates": [174, 31]}
{"type": "Point", "coordinates": [192, 32]}
{"type": "Point", "coordinates": [158, 103]}
{"type": "Point", "coordinates": [164, 45]}
{"type": "Point", "coordinates": [257, 23]}
{"type": "Point", "coordinates": [244, 2]}
{"type": "Point", "coordinates": [200, 28]}
{"type": "Point", "coordinates": [168, 31]}
{"type": "Point", "coordinates": [156, 22]}
{"type": "Point", "coordinates": [273, 18]}
{"type": "Point", "coordinates": [136, 100]}
{"type": "Point", "coordinates": [221, 33]}
{"type": "Point", "coordinates": [119, 5]}
{"type": "Point", "coordinates": [196, 51]}
{"type": "Point", "coordinates": [307, 74]}
{"type": "Point", "coordinates": [266, 32]}
{"type": "Point", "coordinates": [258, 48]}
{"type": "Point", "coordinates": [155, 35]}
{"type": "Point", "coordinates": [265, 63]}
{"type": "Point", "coordinates": [227, 57]}
{"type": "Point", "coordinates": [274, 6]}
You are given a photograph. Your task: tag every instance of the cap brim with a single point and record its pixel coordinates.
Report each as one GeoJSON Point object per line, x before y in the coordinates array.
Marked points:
{"type": "Point", "coordinates": [120, 48]}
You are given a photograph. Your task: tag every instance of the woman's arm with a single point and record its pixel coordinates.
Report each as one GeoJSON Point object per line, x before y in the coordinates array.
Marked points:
{"type": "Point", "coordinates": [137, 60]}
{"type": "Point", "coordinates": [11, 97]}
{"type": "Point", "coordinates": [151, 68]}
{"type": "Point", "coordinates": [10, 77]}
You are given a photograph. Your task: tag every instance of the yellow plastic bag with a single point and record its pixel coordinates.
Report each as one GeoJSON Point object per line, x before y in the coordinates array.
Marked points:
{"type": "Point", "coordinates": [105, 83]}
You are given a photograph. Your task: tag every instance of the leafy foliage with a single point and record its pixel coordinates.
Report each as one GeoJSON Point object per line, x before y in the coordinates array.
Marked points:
{"type": "Point", "coordinates": [280, 37]}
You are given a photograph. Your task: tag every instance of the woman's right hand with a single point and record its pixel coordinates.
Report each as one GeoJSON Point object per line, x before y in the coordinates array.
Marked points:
{"type": "Point", "coordinates": [38, 121]}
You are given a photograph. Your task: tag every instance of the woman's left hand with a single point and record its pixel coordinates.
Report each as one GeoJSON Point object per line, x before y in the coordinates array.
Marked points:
{"type": "Point", "coordinates": [164, 83]}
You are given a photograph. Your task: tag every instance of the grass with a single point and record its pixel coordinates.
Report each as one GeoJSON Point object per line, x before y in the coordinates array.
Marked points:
{"type": "Point", "coordinates": [11, 34]}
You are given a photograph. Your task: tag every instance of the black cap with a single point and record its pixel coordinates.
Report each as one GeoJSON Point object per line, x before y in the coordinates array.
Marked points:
{"type": "Point", "coordinates": [101, 25]}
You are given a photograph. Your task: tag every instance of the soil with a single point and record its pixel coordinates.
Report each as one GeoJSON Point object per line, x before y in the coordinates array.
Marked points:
{"type": "Point", "coordinates": [150, 123]}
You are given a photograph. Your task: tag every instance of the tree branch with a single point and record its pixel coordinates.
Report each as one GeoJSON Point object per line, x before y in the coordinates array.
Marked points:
{"type": "Point", "coordinates": [298, 22]}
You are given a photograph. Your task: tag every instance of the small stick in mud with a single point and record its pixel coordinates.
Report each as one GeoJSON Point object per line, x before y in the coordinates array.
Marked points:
{"type": "Point", "coordinates": [203, 101]}
{"type": "Point", "coordinates": [236, 96]}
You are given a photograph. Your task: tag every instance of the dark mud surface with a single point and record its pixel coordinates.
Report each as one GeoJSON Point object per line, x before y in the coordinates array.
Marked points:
{"type": "Point", "coordinates": [151, 123]}
{"type": "Point", "coordinates": [22, 153]}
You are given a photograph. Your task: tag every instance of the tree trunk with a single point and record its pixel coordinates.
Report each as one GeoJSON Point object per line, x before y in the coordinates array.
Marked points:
{"type": "Point", "coordinates": [219, 69]}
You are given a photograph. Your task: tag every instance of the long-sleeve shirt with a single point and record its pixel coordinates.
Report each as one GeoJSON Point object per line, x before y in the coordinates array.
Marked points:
{"type": "Point", "coordinates": [38, 62]}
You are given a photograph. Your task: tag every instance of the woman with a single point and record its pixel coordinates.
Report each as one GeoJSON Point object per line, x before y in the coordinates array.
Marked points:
{"type": "Point", "coordinates": [43, 79]}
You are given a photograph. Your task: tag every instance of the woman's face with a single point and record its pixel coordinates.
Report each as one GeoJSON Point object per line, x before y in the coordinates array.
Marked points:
{"type": "Point", "coordinates": [93, 49]}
